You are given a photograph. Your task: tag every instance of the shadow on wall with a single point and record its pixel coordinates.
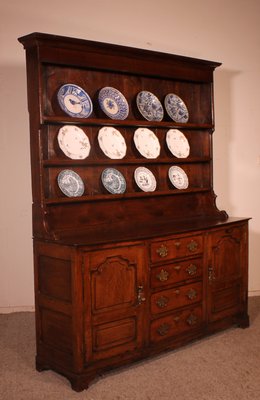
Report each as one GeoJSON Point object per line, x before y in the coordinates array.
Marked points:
{"type": "Point", "coordinates": [223, 136]}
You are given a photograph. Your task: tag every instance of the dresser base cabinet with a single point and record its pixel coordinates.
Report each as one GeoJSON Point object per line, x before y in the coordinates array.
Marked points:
{"type": "Point", "coordinates": [99, 307]}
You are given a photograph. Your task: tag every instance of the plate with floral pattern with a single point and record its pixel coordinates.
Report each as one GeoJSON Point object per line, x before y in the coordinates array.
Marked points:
{"type": "Point", "coordinates": [147, 143]}
{"type": "Point", "coordinates": [112, 142]}
{"type": "Point", "coordinates": [70, 183]}
{"type": "Point", "coordinates": [113, 103]}
{"type": "Point", "coordinates": [177, 143]}
{"type": "Point", "coordinates": [178, 177]}
{"type": "Point", "coordinates": [145, 179]}
{"type": "Point", "coordinates": [73, 142]}
{"type": "Point", "coordinates": [149, 106]}
{"type": "Point", "coordinates": [74, 101]}
{"type": "Point", "coordinates": [176, 108]}
{"type": "Point", "coordinates": [113, 181]}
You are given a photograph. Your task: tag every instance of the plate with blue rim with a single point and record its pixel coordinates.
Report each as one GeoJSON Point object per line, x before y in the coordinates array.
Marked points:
{"type": "Point", "coordinates": [113, 180]}
{"type": "Point", "coordinates": [74, 101]}
{"type": "Point", "coordinates": [113, 103]}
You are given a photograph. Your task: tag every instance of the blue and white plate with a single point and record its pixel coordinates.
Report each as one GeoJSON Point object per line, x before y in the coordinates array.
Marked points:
{"type": "Point", "coordinates": [176, 108]}
{"type": "Point", "coordinates": [113, 181]}
{"type": "Point", "coordinates": [149, 106]}
{"type": "Point", "coordinates": [74, 101]}
{"type": "Point", "coordinates": [113, 103]}
{"type": "Point", "coordinates": [70, 183]}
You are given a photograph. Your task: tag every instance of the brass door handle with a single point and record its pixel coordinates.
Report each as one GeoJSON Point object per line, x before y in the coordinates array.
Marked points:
{"type": "Point", "coordinates": [140, 298]}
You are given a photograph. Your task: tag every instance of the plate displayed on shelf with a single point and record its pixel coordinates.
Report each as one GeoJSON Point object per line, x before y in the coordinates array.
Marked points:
{"type": "Point", "coordinates": [70, 183]}
{"type": "Point", "coordinates": [111, 142]}
{"type": "Point", "coordinates": [147, 143]}
{"type": "Point", "coordinates": [145, 179]}
{"type": "Point", "coordinates": [113, 181]}
{"type": "Point", "coordinates": [178, 177]}
{"type": "Point", "coordinates": [113, 103]}
{"type": "Point", "coordinates": [74, 101]}
{"type": "Point", "coordinates": [177, 143]}
{"type": "Point", "coordinates": [73, 142]}
{"type": "Point", "coordinates": [149, 106]}
{"type": "Point", "coordinates": [176, 108]}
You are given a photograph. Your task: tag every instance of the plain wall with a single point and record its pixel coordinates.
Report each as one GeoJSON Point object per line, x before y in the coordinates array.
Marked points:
{"type": "Point", "coordinates": [226, 30]}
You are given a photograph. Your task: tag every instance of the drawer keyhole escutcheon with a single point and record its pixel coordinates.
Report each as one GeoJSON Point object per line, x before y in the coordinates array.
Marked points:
{"type": "Point", "coordinates": [162, 251]}
{"type": "Point", "coordinates": [163, 276]}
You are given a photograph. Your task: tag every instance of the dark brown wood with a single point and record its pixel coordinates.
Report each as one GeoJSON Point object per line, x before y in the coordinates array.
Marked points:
{"type": "Point", "coordinates": [122, 277]}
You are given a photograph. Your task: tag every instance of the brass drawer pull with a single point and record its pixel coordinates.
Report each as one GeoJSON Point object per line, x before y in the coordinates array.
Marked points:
{"type": "Point", "coordinates": [191, 269]}
{"type": "Point", "coordinates": [163, 276]}
{"type": "Point", "coordinates": [162, 251]}
{"type": "Point", "coordinates": [162, 301]}
{"type": "Point", "coordinates": [192, 294]}
{"type": "Point", "coordinates": [192, 319]}
{"type": "Point", "coordinates": [163, 329]}
{"type": "Point", "coordinates": [176, 319]}
{"type": "Point", "coordinates": [177, 244]}
{"type": "Point", "coordinates": [192, 246]}
{"type": "Point", "coordinates": [177, 291]}
{"type": "Point", "coordinates": [177, 267]}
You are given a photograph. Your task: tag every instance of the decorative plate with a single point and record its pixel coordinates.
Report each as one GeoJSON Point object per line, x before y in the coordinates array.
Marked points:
{"type": "Point", "coordinates": [147, 143]}
{"type": "Point", "coordinates": [70, 183]}
{"type": "Point", "coordinates": [73, 142]}
{"type": "Point", "coordinates": [178, 177]}
{"type": "Point", "coordinates": [149, 106]}
{"type": "Point", "coordinates": [177, 143]}
{"type": "Point", "coordinates": [176, 108]}
{"type": "Point", "coordinates": [113, 103]}
{"type": "Point", "coordinates": [113, 181]}
{"type": "Point", "coordinates": [111, 142]}
{"type": "Point", "coordinates": [74, 101]}
{"type": "Point", "coordinates": [145, 179]}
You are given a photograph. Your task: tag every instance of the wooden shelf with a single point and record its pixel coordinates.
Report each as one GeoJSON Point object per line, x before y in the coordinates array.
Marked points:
{"type": "Point", "coordinates": [57, 120]}
{"type": "Point", "coordinates": [111, 197]}
{"type": "Point", "coordinates": [73, 163]}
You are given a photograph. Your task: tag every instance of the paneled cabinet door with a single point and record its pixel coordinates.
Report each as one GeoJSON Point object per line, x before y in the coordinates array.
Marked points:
{"type": "Point", "coordinates": [115, 299]}
{"type": "Point", "coordinates": [227, 269]}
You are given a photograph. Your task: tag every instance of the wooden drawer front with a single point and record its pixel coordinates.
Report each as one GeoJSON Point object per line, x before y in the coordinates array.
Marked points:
{"type": "Point", "coordinates": [172, 273]}
{"type": "Point", "coordinates": [167, 300]}
{"type": "Point", "coordinates": [175, 248]}
{"type": "Point", "coordinates": [176, 323]}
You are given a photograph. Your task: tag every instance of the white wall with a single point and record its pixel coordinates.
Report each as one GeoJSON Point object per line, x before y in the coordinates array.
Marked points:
{"type": "Point", "coordinates": [223, 30]}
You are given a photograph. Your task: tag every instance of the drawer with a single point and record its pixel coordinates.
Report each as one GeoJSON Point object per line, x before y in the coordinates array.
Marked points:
{"type": "Point", "coordinates": [176, 323]}
{"type": "Point", "coordinates": [176, 248]}
{"type": "Point", "coordinates": [176, 272]}
{"type": "Point", "coordinates": [180, 296]}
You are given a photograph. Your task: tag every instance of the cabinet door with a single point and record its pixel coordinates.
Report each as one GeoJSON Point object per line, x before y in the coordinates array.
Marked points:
{"type": "Point", "coordinates": [227, 272]}
{"type": "Point", "coordinates": [115, 300]}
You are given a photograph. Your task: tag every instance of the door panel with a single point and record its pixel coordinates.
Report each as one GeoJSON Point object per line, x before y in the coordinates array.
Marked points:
{"type": "Point", "coordinates": [117, 286]}
{"type": "Point", "coordinates": [226, 269]}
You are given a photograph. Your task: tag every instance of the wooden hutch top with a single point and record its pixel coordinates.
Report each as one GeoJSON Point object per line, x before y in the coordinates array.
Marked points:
{"type": "Point", "coordinates": [99, 216]}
